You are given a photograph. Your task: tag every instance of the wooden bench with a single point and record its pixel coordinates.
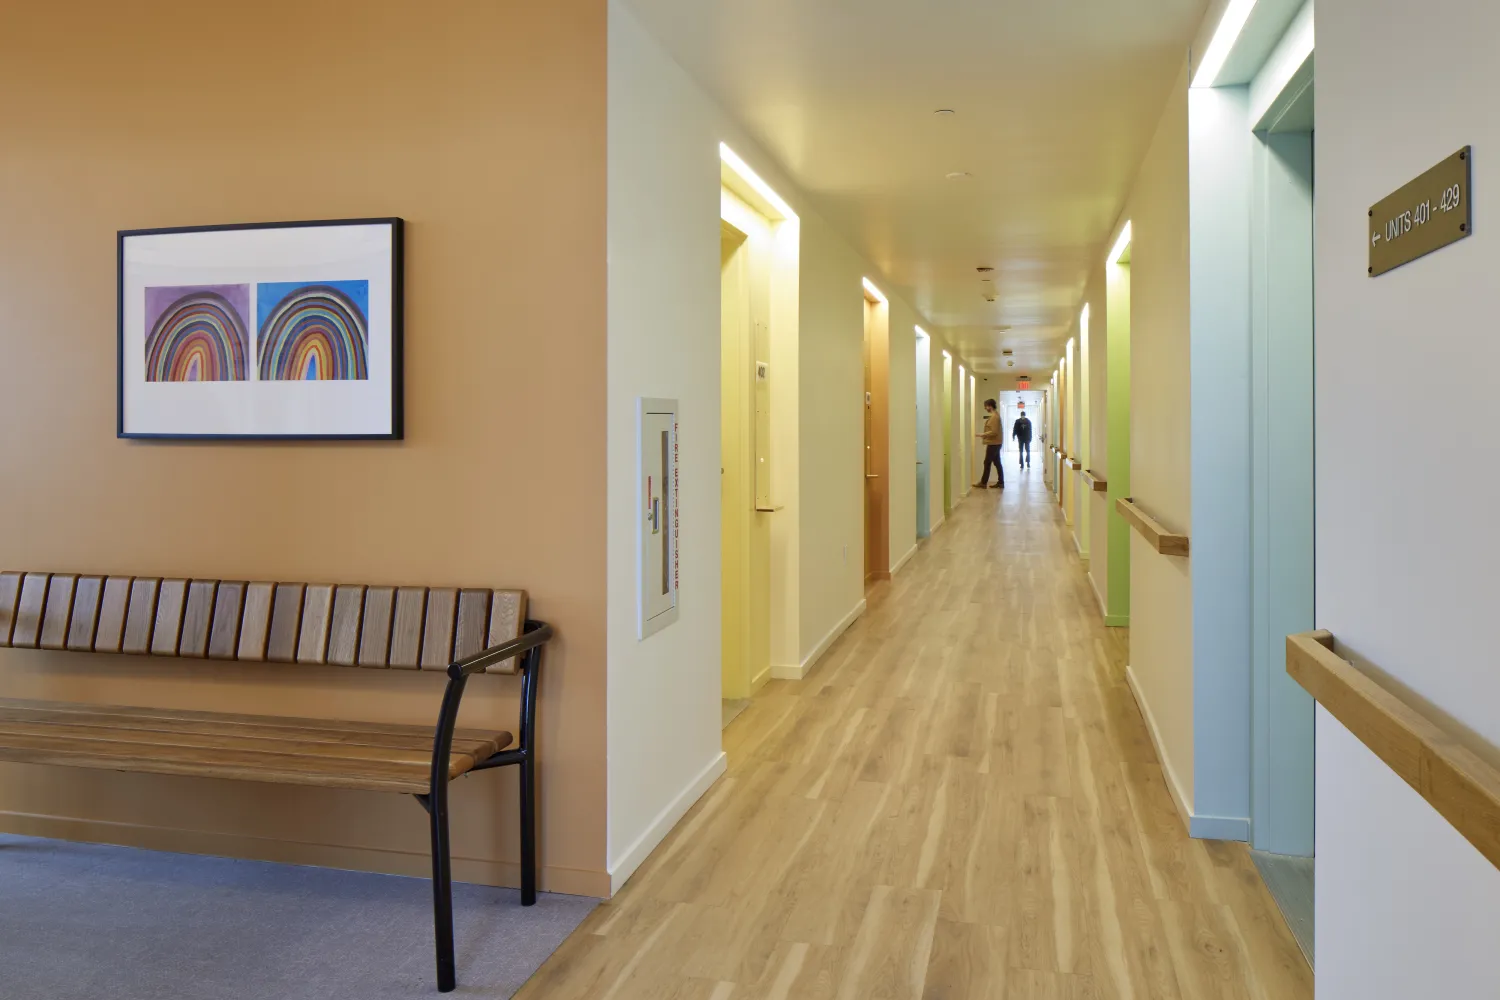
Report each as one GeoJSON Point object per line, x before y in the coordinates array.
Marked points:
{"type": "Point", "coordinates": [460, 632]}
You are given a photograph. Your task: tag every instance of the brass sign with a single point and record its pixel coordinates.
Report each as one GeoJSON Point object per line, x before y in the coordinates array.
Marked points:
{"type": "Point", "coordinates": [1425, 215]}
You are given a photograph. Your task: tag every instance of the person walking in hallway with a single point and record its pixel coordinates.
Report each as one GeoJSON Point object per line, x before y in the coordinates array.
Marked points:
{"type": "Point", "coordinates": [992, 439]}
{"type": "Point", "coordinates": [1022, 433]}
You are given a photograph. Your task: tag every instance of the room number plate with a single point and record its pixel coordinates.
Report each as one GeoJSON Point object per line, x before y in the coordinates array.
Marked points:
{"type": "Point", "coordinates": [1426, 215]}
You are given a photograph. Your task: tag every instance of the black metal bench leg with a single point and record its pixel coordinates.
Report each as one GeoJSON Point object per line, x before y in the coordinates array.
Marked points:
{"type": "Point", "coordinates": [528, 831]}
{"type": "Point", "coordinates": [442, 892]}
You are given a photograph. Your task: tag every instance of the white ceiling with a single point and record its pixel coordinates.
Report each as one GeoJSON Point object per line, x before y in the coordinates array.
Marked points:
{"type": "Point", "coordinates": [1056, 101]}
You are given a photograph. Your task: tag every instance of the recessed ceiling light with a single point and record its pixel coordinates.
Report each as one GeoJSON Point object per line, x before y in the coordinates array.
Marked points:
{"type": "Point", "coordinates": [944, 112]}
{"type": "Point", "coordinates": [984, 270]}
{"type": "Point", "coordinates": [959, 175]}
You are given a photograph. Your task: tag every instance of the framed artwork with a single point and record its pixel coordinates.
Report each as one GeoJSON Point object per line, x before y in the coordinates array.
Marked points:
{"type": "Point", "coordinates": [287, 330]}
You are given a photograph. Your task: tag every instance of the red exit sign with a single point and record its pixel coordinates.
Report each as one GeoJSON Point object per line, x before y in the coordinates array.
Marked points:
{"type": "Point", "coordinates": [1023, 383]}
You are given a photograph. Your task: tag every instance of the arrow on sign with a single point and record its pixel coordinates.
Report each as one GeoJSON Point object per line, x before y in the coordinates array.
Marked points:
{"type": "Point", "coordinates": [1374, 239]}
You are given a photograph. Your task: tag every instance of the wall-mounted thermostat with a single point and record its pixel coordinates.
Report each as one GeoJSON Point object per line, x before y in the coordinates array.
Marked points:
{"type": "Point", "coordinates": [656, 518]}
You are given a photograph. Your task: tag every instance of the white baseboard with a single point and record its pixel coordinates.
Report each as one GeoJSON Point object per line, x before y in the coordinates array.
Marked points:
{"type": "Point", "coordinates": [759, 680]}
{"type": "Point", "coordinates": [1094, 586]}
{"type": "Point", "coordinates": [934, 529]}
{"type": "Point", "coordinates": [1184, 810]}
{"type": "Point", "coordinates": [901, 563]}
{"type": "Point", "coordinates": [1198, 827]}
{"type": "Point", "coordinates": [801, 670]}
{"type": "Point", "coordinates": [636, 855]}
{"type": "Point", "coordinates": [1083, 553]}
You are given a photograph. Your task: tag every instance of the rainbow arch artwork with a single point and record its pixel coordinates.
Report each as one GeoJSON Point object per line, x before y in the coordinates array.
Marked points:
{"type": "Point", "coordinates": [313, 331]}
{"type": "Point", "coordinates": [197, 333]}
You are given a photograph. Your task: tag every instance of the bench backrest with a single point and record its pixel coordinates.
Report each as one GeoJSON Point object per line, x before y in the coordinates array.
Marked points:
{"type": "Point", "coordinates": [351, 625]}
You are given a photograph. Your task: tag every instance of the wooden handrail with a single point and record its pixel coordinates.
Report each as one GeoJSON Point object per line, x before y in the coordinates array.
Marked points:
{"type": "Point", "coordinates": [1076, 465]}
{"type": "Point", "coordinates": [1462, 786]}
{"type": "Point", "coordinates": [1162, 540]}
{"type": "Point", "coordinates": [1096, 482]}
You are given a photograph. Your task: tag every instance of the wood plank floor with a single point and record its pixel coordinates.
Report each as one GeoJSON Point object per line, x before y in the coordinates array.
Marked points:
{"type": "Point", "coordinates": [960, 802]}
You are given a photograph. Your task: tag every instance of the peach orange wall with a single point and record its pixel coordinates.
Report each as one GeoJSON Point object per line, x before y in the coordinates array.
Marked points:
{"type": "Point", "coordinates": [483, 125]}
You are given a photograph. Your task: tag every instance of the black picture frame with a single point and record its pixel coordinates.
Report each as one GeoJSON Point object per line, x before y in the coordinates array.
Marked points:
{"type": "Point", "coordinates": [398, 324]}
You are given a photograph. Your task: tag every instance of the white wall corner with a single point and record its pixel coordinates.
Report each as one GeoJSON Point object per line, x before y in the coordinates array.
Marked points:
{"type": "Point", "coordinates": [1180, 798]}
{"type": "Point", "coordinates": [1098, 596]}
{"type": "Point", "coordinates": [1198, 827]}
{"type": "Point", "coordinates": [900, 564]}
{"type": "Point", "coordinates": [636, 855]}
{"type": "Point", "coordinates": [801, 670]}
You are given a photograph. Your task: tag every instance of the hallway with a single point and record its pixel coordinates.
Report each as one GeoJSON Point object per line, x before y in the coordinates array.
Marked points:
{"type": "Point", "coordinates": [960, 802]}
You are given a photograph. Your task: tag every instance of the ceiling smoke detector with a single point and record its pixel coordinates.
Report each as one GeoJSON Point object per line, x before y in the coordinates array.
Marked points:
{"type": "Point", "coordinates": [959, 175]}
{"type": "Point", "coordinates": [984, 270]}
{"type": "Point", "coordinates": [944, 112]}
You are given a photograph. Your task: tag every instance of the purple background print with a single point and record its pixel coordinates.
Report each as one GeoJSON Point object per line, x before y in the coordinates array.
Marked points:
{"type": "Point", "coordinates": [159, 298]}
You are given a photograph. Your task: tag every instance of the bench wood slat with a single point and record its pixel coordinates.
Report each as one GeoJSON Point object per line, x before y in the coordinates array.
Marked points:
{"type": "Point", "coordinates": [271, 725]}
{"type": "Point", "coordinates": [112, 607]}
{"type": "Point", "coordinates": [255, 624]}
{"type": "Point", "coordinates": [375, 634]}
{"type": "Point", "coordinates": [59, 611]}
{"type": "Point", "coordinates": [286, 622]}
{"type": "Point", "coordinates": [140, 616]}
{"type": "Point", "coordinates": [240, 765]}
{"type": "Point", "coordinates": [230, 752]}
{"type": "Point", "coordinates": [198, 618]}
{"type": "Point", "coordinates": [473, 621]}
{"type": "Point", "coordinates": [317, 616]}
{"type": "Point", "coordinates": [67, 734]}
{"type": "Point", "coordinates": [10, 594]}
{"type": "Point", "coordinates": [406, 627]}
{"type": "Point", "coordinates": [224, 635]}
{"type": "Point", "coordinates": [85, 618]}
{"type": "Point", "coordinates": [507, 618]}
{"type": "Point", "coordinates": [478, 744]}
{"type": "Point", "coordinates": [29, 610]}
{"type": "Point", "coordinates": [171, 600]}
{"type": "Point", "coordinates": [343, 630]}
{"type": "Point", "coordinates": [437, 635]}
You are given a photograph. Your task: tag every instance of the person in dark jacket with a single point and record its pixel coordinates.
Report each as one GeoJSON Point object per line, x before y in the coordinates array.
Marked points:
{"type": "Point", "coordinates": [1021, 431]}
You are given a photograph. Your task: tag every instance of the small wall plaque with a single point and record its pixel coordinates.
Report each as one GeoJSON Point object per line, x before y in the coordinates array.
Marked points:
{"type": "Point", "coordinates": [1426, 215]}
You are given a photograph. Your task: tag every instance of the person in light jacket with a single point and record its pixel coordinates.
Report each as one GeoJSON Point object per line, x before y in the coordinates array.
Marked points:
{"type": "Point", "coordinates": [993, 440]}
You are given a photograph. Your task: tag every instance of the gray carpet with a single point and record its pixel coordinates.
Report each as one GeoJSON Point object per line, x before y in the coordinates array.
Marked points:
{"type": "Point", "coordinates": [84, 922]}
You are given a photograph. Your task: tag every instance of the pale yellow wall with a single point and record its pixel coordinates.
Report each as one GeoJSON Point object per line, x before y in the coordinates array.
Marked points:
{"type": "Point", "coordinates": [964, 439]}
{"type": "Point", "coordinates": [1160, 586]}
{"type": "Point", "coordinates": [747, 571]}
{"type": "Point", "coordinates": [1069, 395]}
{"type": "Point", "coordinates": [832, 432]}
{"type": "Point", "coordinates": [903, 430]}
{"type": "Point", "coordinates": [935, 512]}
{"type": "Point", "coordinates": [786, 443]}
{"type": "Point", "coordinates": [1097, 441]}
